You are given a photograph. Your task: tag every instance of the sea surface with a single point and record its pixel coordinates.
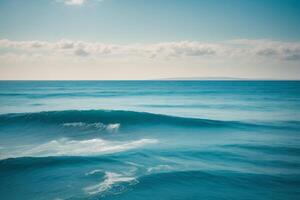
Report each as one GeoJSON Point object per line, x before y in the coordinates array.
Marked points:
{"type": "Point", "coordinates": [129, 140]}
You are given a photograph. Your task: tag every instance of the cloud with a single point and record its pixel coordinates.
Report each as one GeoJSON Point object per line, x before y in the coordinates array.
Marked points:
{"type": "Point", "coordinates": [182, 49]}
{"type": "Point", "coordinates": [270, 49]}
{"type": "Point", "coordinates": [23, 44]}
{"type": "Point", "coordinates": [65, 44]}
{"type": "Point", "coordinates": [74, 2]}
{"type": "Point", "coordinates": [235, 49]}
{"type": "Point", "coordinates": [81, 52]}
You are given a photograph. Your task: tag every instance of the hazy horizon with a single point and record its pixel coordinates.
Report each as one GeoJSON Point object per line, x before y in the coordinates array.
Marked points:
{"type": "Point", "coordinates": [165, 79]}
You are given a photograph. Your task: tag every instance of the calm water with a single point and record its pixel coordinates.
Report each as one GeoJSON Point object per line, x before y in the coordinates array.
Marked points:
{"type": "Point", "coordinates": [149, 140]}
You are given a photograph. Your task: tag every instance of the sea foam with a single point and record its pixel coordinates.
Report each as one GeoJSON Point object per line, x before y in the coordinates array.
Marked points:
{"type": "Point", "coordinates": [66, 147]}
{"type": "Point", "coordinates": [110, 180]}
{"type": "Point", "coordinates": [98, 125]}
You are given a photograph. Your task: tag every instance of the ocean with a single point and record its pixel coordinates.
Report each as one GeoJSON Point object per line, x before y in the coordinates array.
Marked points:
{"type": "Point", "coordinates": [129, 140]}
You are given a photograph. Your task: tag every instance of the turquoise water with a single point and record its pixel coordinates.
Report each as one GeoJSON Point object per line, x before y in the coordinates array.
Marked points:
{"type": "Point", "coordinates": [149, 140]}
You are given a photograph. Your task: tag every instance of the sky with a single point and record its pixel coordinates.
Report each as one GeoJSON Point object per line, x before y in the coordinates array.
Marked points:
{"type": "Point", "coordinates": [149, 39]}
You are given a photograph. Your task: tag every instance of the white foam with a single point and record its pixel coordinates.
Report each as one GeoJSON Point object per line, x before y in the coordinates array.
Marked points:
{"type": "Point", "coordinates": [134, 164]}
{"type": "Point", "coordinates": [75, 124]}
{"type": "Point", "coordinates": [159, 168]}
{"type": "Point", "coordinates": [113, 127]}
{"type": "Point", "coordinates": [111, 178]}
{"type": "Point", "coordinates": [96, 171]}
{"type": "Point", "coordinates": [99, 126]}
{"type": "Point", "coordinates": [66, 147]}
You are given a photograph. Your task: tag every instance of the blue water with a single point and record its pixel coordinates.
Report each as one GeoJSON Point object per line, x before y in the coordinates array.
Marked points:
{"type": "Point", "coordinates": [149, 140]}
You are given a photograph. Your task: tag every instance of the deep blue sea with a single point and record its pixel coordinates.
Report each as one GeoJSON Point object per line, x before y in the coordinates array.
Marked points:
{"type": "Point", "coordinates": [129, 140]}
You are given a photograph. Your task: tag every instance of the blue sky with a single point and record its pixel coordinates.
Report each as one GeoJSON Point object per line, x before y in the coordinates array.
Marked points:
{"type": "Point", "coordinates": [206, 25]}
{"type": "Point", "coordinates": [150, 20]}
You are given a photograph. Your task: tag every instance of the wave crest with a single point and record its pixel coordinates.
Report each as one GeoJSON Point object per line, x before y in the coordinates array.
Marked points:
{"type": "Point", "coordinates": [116, 117]}
{"type": "Point", "coordinates": [98, 126]}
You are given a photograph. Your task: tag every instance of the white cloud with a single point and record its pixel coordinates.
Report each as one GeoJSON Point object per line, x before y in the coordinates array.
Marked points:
{"type": "Point", "coordinates": [81, 52]}
{"type": "Point", "coordinates": [74, 2]}
{"type": "Point", "coordinates": [272, 49]}
{"type": "Point", "coordinates": [242, 49]}
{"type": "Point", "coordinates": [69, 59]}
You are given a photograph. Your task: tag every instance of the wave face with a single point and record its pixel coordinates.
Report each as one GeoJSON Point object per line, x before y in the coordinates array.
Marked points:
{"type": "Point", "coordinates": [111, 119]}
{"type": "Point", "coordinates": [146, 140]}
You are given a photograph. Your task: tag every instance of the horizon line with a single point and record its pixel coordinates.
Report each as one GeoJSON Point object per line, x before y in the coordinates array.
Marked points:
{"type": "Point", "coordinates": [150, 80]}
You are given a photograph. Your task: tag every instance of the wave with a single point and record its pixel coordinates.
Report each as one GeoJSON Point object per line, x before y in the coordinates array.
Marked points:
{"type": "Point", "coordinates": [61, 95]}
{"type": "Point", "coordinates": [209, 175]}
{"type": "Point", "coordinates": [21, 163]}
{"type": "Point", "coordinates": [91, 117]}
{"type": "Point", "coordinates": [223, 181]}
{"type": "Point", "coordinates": [228, 184]}
{"type": "Point", "coordinates": [270, 149]}
{"type": "Point", "coordinates": [97, 93]}
{"type": "Point", "coordinates": [66, 147]}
